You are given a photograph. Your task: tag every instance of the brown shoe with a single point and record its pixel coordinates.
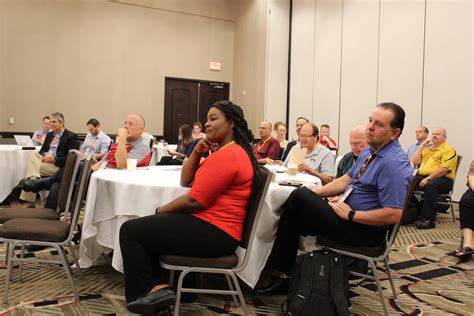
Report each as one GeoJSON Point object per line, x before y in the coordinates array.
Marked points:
{"type": "Point", "coordinates": [27, 205]}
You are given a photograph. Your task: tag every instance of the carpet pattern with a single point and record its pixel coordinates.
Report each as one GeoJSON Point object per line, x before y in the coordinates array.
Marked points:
{"type": "Point", "coordinates": [427, 279]}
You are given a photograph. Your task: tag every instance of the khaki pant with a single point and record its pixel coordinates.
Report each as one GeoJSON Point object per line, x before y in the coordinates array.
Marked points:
{"type": "Point", "coordinates": [35, 167]}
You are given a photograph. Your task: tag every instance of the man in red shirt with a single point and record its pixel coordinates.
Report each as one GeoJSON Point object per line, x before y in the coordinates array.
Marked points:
{"type": "Point", "coordinates": [268, 149]}
{"type": "Point", "coordinates": [327, 141]}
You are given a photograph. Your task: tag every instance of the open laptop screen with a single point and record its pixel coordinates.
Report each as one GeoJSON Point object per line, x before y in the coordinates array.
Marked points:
{"type": "Point", "coordinates": [23, 140]}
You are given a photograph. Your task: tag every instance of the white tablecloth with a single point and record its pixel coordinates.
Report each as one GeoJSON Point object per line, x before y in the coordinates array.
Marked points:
{"type": "Point", "coordinates": [12, 167]}
{"type": "Point", "coordinates": [115, 196]}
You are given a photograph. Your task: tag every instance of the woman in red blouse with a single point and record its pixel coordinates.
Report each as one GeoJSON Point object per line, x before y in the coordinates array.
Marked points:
{"type": "Point", "coordinates": [205, 222]}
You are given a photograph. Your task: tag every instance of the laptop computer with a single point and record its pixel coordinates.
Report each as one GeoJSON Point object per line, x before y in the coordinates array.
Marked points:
{"type": "Point", "coordinates": [24, 140]}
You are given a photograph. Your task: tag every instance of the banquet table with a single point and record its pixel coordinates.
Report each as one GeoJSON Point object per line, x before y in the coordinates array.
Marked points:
{"type": "Point", "coordinates": [115, 196]}
{"type": "Point", "coordinates": [12, 167]}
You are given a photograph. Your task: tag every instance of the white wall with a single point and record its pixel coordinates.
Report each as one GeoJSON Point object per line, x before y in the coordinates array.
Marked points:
{"type": "Point", "coordinates": [447, 89]}
{"type": "Point", "coordinates": [416, 53]}
{"type": "Point", "coordinates": [250, 60]}
{"type": "Point", "coordinates": [277, 60]}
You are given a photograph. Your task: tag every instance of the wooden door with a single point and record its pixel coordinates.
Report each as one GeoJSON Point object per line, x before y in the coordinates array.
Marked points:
{"type": "Point", "coordinates": [188, 101]}
{"type": "Point", "coordinates": [210, 93]}
{"type": "Point", "coordinates": [181, 98]}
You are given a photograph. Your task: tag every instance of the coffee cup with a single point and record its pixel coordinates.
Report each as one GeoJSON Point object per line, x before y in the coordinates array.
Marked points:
{"type": "Point", "coordinates": [131, 164]}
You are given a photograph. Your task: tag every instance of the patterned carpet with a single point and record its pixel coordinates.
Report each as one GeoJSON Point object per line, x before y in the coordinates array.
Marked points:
{"type": "Point", "coordinates": [428, 281]}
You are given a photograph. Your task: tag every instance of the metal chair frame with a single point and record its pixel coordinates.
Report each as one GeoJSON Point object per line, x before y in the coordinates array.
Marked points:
{"type": "Point", "coordinates": [383, 257]}
{"type": "Point", "coordinates": [230, 274]}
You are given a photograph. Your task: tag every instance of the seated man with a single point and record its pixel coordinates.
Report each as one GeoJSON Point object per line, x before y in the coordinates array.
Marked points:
{"type": "Point", "coordinates": [357, 139]}
{"type": "Point", "coordinates": [40, 134]}
{"type": "Point", "coordinates": [421, 135]}
{"type": "Point", "coordinates": [326, 140]}
{"type": "Point", "coordinates": [319, 161]}
{"type": "Point", "coordinates": [51, 156]}
{"type": "Point", "coordinates": [436, 174]}
{"type": "Point", "coordinates": [300, 121]}
{"type": "Point", "coordinates": [268, 149]}
{"type": "Point", "coordinates": [378, 182]}
{"type": "Point", "coordinates": [129, 145]}
{"type": "Point", "coordinates": [96, 143]}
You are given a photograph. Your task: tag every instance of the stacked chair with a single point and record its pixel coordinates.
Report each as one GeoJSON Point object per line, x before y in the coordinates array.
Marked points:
{"type": "Point", "coordinates": [55, 231]}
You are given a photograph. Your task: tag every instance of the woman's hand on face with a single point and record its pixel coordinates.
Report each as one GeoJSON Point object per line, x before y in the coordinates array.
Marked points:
{"type": "Point", "coordinates": [203, 145]}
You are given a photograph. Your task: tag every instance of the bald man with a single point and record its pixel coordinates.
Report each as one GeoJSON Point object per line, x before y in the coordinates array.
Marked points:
{"type": "Point", "coordinates": [436, 174]}
{"type": "Point", "coordinates": [268, 149]}
{"type": "Point", "coordinates": [129, 144]}
{"type": "Point", "coordinates": [357, 139]}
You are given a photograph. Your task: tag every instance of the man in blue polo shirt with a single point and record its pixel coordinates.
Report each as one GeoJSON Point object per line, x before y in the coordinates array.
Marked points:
{"type": "Point", "coordinates": [378, 183]}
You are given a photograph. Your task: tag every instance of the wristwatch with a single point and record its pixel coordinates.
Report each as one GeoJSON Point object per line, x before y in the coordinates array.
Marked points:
{"type": "Point", "coordinates": [351, 215]}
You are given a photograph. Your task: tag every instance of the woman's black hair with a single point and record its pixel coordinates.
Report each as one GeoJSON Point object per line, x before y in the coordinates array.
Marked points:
{"type": "Point", "coordinates": [242, 134]}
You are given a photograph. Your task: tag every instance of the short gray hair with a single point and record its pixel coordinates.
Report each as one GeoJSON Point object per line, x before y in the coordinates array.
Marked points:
{"type": "Point", "coordinates": [59, 116]}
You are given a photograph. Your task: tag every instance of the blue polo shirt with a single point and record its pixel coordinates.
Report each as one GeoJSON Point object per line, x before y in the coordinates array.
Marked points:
{"type": "Point", "coordinates": [385, 181]}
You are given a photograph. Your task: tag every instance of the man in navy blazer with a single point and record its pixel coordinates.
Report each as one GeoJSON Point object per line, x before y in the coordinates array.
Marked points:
{"type": "Point", "coordinates": [51, 156]}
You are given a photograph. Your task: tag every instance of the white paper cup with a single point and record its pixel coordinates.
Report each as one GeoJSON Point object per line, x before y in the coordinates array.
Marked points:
{"type": "Point", "coordinates": [131, 164]}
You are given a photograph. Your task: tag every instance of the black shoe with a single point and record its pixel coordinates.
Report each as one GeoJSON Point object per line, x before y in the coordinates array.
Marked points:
{"type": "Point", "coordinates": [34, 185]}
{"type": "Point", "coordinates": [35, 248]}
{"type": "Point", "coordinates": [426, 224]}
{"type": "Point", "coordinates": [279, 285]}
{"type": "Point", "coordinates": [152, 302]}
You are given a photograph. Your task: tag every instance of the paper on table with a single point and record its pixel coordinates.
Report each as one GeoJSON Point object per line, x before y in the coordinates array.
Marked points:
{"type": "Point", "coordinates": [297, 156]}
{"type": "Point", "coordinates": [276, 168]}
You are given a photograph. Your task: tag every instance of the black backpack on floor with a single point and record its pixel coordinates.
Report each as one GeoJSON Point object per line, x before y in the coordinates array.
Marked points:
{"type": "Point", "coordinates": [319, 284]}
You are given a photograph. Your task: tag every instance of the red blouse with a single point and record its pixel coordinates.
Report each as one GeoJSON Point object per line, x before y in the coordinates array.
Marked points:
{"type": "Point", "coordinates": [223, 184]}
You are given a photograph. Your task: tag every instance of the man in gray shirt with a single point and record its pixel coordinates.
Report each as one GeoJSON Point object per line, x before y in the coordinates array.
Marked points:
{"type": "Point", "coordinates": [129, 144]}
{"type": "Point", "coordinates": [319, 160]}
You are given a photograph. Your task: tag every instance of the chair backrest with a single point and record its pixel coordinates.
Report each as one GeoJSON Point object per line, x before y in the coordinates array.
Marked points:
{"type": "Point", "coordinates": [457, 169]}
{"type": "Point", "coordinates": [66, 187]}
{"type": "Point", "coordinates": [255, 205]}
{"type": "Point", "coordinates": [393, 231]}
{"type": "Point", "coordinates": [81, 190]}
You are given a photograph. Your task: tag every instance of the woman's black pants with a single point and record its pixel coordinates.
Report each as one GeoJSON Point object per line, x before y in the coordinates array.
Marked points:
{"type": "Point", "coordinates": [143, 240]}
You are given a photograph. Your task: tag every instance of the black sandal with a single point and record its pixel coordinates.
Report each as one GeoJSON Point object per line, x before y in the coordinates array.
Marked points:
{"type": "Point", "coordinates": [464, 253]}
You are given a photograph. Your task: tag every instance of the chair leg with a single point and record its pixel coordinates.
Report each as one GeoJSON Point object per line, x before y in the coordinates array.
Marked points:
{"type": "Point", "coordinates": [239, 293]}
{"type": "Point", "coordinates": [178, 291]}
{"type": "Point", "coordinates": [171, 281]}
{"type": "Point", "coordinates": [8, 273]}
{"type": "Point", "coordinates": [231, 287]}
{"type": "Point", "coordinates": [5, 260]}
{"type": "Point", "coordinates": [74, 258]}
{"type": "Point", "coordinates": [67, 269]}
{"type": "Point", "coordinates": [452, 210]}
{"type": "Point", "coordinates": [389, 274]}
{"type": "Point", "coordinates": [379, 287]}
{"type": "Point", "coordinates": [22, 255]}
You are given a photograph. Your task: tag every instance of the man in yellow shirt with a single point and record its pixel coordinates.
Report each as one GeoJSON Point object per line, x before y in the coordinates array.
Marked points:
{"type": "Point", "coordinates": [436, 174]}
